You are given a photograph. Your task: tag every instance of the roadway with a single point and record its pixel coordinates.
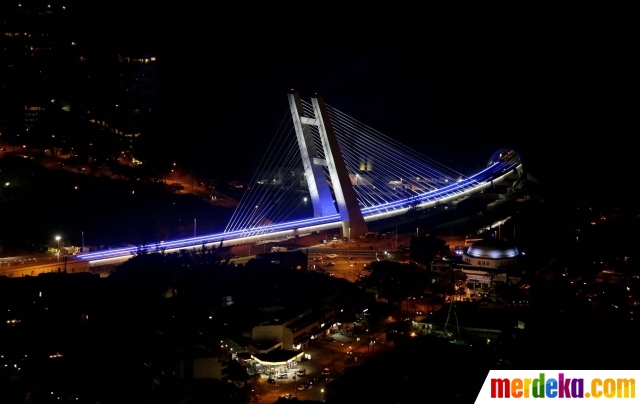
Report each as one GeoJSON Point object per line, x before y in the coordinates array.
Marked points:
{"type": "Point", "coordinates": [345, 263]}
{"type": "Point", "coordinates": [34, 265]}
{"type": "Point", "coordinates": [476, 183]}
{"type": "Point", "coordinates": [25, 259]}
{"type": "Point", "coordinates": [50, 262]}
{"type": "Point", "coordinates": [209, 195]}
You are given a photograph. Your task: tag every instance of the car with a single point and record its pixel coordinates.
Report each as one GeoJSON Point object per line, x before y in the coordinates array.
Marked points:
{"type": "Point", "coordinates": [332, 255]}
{"type": "Point", "coordinates": [329, 264]}
{"type": "Point", "coordinates": [283, 376]}
{"type": "Point", "coordinates": [326, 372]}
{"type": "Point", "coordinates": [330, 274]}
{"type": "Point", "coordinates": [302, 372]}
{"type": "Point", "coordinates": [286, 396]}
{"type": "Point", "coordinates": [349, 360]}
{"type": "Point", "coordinates": [271, 381]}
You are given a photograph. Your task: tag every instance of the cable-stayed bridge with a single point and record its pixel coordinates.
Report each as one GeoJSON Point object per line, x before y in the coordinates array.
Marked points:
{"type": "Point", "coordinates": [325, 170]}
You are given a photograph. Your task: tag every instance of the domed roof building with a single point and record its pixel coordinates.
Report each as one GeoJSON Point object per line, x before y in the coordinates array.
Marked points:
{"type": "Point", "coordinates": [491, 253]}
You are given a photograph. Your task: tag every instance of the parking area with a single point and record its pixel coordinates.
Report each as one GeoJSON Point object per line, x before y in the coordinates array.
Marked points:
{"type": "Point", "coordinates": [328, 359]}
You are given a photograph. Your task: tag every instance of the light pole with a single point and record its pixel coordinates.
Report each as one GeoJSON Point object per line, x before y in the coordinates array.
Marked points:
{"type": "Point", "coordinates": [322, 391]}
{"type": "Point", "coordinates": [58, 240]}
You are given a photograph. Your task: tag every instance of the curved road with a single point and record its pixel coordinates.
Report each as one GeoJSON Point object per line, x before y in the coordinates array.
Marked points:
{"type": "Point", "coordinates": [495, 172]}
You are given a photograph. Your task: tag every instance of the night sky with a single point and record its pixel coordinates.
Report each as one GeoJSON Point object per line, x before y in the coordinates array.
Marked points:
{"type": "Point", "coordinates": [558, 89]}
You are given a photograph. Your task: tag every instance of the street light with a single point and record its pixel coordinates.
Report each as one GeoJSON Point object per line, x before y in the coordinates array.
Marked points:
{"type": "Point", "coordinates": [322, 391]}
{"type": "Point", "coordinates": [58, 240]}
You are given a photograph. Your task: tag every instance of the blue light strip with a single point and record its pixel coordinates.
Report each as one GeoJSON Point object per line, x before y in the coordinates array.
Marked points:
{"type": "Point", "coordinates": [486, 175]}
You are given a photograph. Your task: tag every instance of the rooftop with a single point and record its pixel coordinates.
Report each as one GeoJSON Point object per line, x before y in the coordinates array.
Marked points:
{"type": "Point", "coordinates": [265, 345]}
{"type": "Point", "coordinates": [278, 357]}
{"type": "Point", "coordinates": [493, 249]}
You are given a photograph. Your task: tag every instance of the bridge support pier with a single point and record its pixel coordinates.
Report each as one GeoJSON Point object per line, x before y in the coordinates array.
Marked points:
{"type": "Point", "coordinates": [353, 224]}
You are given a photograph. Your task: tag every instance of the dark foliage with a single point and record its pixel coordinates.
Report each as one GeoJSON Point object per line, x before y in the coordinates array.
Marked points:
{"type": "Point", "coordinates": [425, 248]}
{"type": "Point", "coordinates": [397, 281]}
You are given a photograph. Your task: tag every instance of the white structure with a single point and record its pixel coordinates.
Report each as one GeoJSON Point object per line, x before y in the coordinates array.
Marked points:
{"type": "Point", "coordinates": [353, 224]}
{"type": "Point", "coordinates": [486, 262]}
{"type": "Point", "coordinates": [491, 254]}
{"type": "Point", "coordinates": [314, 173]}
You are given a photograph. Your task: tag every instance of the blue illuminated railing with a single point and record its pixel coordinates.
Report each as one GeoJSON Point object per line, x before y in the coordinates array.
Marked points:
{"type": "Point", "coordinates": [488, 174]}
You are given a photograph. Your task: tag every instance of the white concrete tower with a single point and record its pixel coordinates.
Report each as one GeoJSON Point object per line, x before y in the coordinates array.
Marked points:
{"type": "Point", "coordinates": [319, 190]}
{"type": "Point", "coordinates": [353, 224]}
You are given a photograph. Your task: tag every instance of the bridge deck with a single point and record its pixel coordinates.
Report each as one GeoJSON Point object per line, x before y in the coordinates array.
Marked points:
{"type": "Point", "coordinates": [495, 172]}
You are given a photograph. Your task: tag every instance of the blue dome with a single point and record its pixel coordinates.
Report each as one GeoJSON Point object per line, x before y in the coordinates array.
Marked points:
{"type": "Point", "coordinates": [493, 249]}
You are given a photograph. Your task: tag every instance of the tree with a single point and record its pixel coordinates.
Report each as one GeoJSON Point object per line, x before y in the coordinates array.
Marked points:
{"type": "Point", "coordinates": [449, 281]}
{"type": "Point", "coordinates": [141, 250]}
{"type": "Point", "coordinates": [237, 372]}
{"type": "Point", "coordinates": [425, 248]}
{"type": "Point", "coordinates": [397, 281]}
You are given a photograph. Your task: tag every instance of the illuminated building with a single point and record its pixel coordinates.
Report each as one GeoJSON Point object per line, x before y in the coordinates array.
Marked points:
{"type": "Point", "coordinates": [491, 253]}
{"type": "Point", "coordinates": [485, 262]}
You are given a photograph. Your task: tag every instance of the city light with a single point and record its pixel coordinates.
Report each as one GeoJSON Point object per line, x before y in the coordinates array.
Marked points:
{"type": "Point", "coordinates": [58, 240]}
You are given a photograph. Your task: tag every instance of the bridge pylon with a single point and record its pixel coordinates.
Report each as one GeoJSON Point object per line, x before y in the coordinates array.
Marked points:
{"type": "Point", "coordinates": [353, 224]}
{"type": "Point", "coordinates": [319, 190]}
